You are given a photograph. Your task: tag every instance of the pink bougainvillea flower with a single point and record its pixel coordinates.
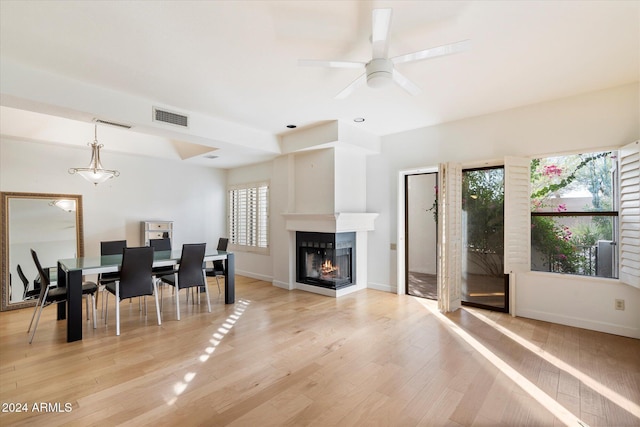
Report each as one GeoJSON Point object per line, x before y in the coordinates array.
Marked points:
{"type": "Point", "coordinates": [551, 170]}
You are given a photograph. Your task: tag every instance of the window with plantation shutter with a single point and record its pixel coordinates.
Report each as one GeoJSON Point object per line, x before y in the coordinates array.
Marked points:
{"type": "Point", "coordinates": [585, 217]}
{"type": "Point", "coordinates": [248, 218]}
{"type": "Point", "coordinates": [630, 214]}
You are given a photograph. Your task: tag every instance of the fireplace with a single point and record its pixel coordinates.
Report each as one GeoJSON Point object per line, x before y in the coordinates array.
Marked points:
{"type": "Point", "coordinates": [326, 259]}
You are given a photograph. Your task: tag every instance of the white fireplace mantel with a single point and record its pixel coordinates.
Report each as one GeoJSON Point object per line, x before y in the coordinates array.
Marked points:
{"type": "Point", "coordinates": [337, 222]}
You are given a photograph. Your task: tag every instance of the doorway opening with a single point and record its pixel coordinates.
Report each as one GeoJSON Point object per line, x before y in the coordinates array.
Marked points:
{"type": "Point", "coordinates": [421, 214]}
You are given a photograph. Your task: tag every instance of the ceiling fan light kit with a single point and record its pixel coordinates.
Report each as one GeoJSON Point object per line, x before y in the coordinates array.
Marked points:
{"type": "Point", "coordinates": [380, 71]}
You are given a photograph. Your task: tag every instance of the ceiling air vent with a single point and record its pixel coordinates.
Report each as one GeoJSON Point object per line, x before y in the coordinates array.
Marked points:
{"type": "Point", "coordinates": [169, 117]}
{"type": "Point", "coordinates": [106, 122]}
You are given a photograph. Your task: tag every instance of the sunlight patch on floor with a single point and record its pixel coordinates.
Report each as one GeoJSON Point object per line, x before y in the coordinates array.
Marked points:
{"type": "Point", "coordinates": [559, 411]}
{"type": "Point", "coordinates": [597, 386]}
{"type": "Point", "coordinates": [181, 386]}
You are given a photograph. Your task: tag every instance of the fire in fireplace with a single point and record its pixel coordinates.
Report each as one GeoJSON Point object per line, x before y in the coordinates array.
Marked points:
{"type": "Point", "coordinates": [326, 259]}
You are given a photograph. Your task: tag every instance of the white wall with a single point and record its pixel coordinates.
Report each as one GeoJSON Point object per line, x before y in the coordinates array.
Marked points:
{"type": "Point", "coordinates": [593, 121]}
{"type": "Point", "coordinates": [314, 181]}
{"type": "Point", "coordinates": [282, 201]}
{"type": "Point", "coordinates": [147, 189]}
{"type": "Point", "coordinates": [350, 180]}
{"type": "Point", "coordinates": [256, 265]}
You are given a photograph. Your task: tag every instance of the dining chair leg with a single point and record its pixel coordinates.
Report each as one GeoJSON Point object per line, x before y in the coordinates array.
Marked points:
{"type": "Point", "coordinates": [93, 310]}
{"type": "Point", "coordinates": [33, 316]}
{"type": "Point", "coordinates": [117, 308]}
{"type": "Point", "coordinates": [178, 302]}
{"type": "Point", "coordinates": [206, 290]}
{"type": "Point", "coordinates": [106, 303]}
{"type": "Point", "coordinates": [33, 334]}
{"type": "Point", "coordinates": [175, 281]}
{"type": "Point", "coordinates": [103, 303]}
{"type": "Point", "coordinates": [218, 282]}
{"type": "Point", "coordinates": [155, 294]}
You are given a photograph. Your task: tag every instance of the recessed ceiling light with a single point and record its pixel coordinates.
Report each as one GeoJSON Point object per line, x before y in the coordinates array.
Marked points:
{"type": "Point", "coordinates": [359, 119]}
{"type": "Point", "coordinates": [292, 126]}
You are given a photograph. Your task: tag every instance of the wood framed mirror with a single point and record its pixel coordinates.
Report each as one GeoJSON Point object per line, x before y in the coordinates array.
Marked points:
{"type": "Point", "coordinates": [50, 224]}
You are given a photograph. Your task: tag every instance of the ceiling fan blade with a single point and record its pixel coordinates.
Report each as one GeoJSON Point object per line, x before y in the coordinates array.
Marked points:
{"type": "Point", "coordinates": [361, 80]}
{"type": "Point", "coordinates": [380, 32]}
{"type": "Point", "coordinates": [331, 64]}
{"type": "Point", "coordinates": [405, 83]}
{"type": "Point", "coordinates": [433, 52]}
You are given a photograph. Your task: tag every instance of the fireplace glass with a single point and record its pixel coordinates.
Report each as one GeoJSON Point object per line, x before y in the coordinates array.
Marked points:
{"type": "Point", "coordinates": [326, 259]}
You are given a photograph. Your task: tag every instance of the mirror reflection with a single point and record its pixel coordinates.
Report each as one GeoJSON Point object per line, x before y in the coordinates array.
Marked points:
{"type": "Point", "coordinates": [51, 224]}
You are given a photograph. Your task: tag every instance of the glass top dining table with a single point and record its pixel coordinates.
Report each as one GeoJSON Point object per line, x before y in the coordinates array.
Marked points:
{"type": "Point", "coordinates": [71, 270]}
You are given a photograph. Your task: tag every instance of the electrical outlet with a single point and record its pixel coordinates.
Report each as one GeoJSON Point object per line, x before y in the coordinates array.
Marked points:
{"type": "Point", "coordinates": [619, 304]}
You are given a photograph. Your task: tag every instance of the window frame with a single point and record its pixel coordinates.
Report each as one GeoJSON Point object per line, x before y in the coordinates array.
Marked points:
{"type": "Point", "coordinates": [613, 212]}
{"type": "Point", "coordinates": [248, 233]}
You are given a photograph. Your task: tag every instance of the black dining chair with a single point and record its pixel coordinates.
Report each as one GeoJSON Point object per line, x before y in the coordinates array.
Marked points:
{"type": "Point", "coordinates": [28, 294]}
{"type": "Point", "coordinates": [190, 273]}
{"type": "Point", "coordinates": [218, 269]}
{"type": "Point", "coordinates": [159, 245]}
{"type": "Point", "coordinates": [56, 294]}
{"type": "Point", "coordinates": [112, 247]}
{"type": "Point", "coordinates": [135, 279]}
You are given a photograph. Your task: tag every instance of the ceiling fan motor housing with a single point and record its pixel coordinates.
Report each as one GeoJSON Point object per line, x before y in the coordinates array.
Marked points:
{"type": "Point", "coordinates": [379, 72]}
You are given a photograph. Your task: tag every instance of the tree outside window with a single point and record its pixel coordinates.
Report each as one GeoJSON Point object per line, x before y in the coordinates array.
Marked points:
{"type": "Point", "coordinates": [574, 214]}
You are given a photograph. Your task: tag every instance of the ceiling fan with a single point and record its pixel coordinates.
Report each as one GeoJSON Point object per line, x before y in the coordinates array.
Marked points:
{"type": "Point", "coordinates": [380, 71]}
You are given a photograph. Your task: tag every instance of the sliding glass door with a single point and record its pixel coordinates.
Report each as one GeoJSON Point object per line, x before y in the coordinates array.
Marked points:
{"type": "Point", "coordinates": [484, 283]}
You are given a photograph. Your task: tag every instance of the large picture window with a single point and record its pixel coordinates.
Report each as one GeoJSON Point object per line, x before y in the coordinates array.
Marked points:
{"type": "Point", "coordinates": [248, 217]}
{"type": "Point", "coordinates": [574, 218]}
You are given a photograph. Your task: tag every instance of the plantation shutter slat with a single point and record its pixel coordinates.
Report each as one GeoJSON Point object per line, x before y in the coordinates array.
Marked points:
{"type": "Point", "coordinates": [449, 237]}
{"type": "Point", "coordinates": [629, 214]}
{"type": "Point", "coordinates": [517, 215]}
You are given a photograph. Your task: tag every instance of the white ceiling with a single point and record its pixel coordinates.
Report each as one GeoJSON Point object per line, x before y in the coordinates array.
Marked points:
{"type": "Point", "coordinates": [235, 64]}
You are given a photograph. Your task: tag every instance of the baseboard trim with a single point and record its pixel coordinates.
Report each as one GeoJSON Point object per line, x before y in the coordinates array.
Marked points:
{"type": "Point", "coordinates": [283, 285]}
{"type": "Point", "coordinates": [254, 275]}
{"type": "Point", "coordinates": [578, 322]}
{"type": "Point", "coordinates": [382, 287]}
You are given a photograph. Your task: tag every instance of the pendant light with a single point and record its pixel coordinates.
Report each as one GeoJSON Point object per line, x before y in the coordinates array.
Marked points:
{"type": "Point", "coordinates": [95, 172]}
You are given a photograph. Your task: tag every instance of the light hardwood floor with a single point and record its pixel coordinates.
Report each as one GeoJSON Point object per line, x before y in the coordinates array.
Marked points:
{"type": "Point", "coordinates": [295, 359]}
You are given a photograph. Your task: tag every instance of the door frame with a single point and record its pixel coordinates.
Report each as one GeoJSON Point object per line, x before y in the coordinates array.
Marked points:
{"type": "Point", "coordinates": [406, 228]}
{"type": "Point", "coordinates": [507, 301]}
{"type": "Point", "coordinates": [401, 245]}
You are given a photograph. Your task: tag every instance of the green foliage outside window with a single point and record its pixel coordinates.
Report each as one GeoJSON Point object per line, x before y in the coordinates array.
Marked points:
{"type": "Point", "coordinates": [483, 207]}
{"type": "Point", "coordinates": [565, 243]}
